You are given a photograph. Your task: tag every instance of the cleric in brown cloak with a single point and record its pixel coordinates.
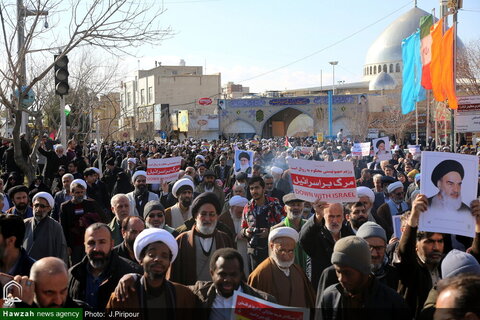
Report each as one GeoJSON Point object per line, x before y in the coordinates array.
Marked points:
{"type": "Point", "coordinates": [447, 177]}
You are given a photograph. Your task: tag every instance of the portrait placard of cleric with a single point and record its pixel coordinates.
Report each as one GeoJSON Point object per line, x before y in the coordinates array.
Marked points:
{"type": "Point", "coordinates": [381, 148]}
{"type": "Point", "coordinates": [450, 182]}
{"type": "Point", "coordinates": [244, 162]}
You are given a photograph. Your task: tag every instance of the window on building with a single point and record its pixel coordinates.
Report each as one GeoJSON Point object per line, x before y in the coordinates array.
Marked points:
{"type": "Point", "coordinates": [129, 99]}
{"type": "Point", "coordinates": [370, 70]}
{"type": "Point", "coordinates": [391, 68]}
{"type": "Point", "coordinates": [385, 68]}
{"type": "Point", "coordinates": [150, 94]}
{"type": "Point", "coordinates": [374, 69]}
{"type": "Point", "coordinates": [122, 98]}
{"type": "Point", "coordinates": [142, 96]}
{"type": "Point", "coordinates": [397, 67]}
{"type": "Point", "coordinates": [379, 68]}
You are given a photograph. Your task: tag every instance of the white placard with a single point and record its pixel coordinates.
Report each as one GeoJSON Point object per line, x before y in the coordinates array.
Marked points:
{"type": "Point", "coordinates": [361, 149]}
{"type": "Point", "coordinates": [328, 181]}
{"type": "Point", "coordinates": [450, 182]}
{"type": "Point", "coordinates": [163, 170]}
{"type": "Point", "coordinates": [381, 148]}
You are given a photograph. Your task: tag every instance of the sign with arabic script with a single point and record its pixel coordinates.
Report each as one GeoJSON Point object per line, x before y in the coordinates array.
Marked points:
{"type": "Point", "coordinates": [327, 181]}
{"type": "Point", "coordinates": [247, 307]}
{"type": "Point", "coordinates": [163, 170]}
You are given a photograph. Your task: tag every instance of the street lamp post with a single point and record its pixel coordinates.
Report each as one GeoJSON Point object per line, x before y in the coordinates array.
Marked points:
{"type": "Point", "coordinates": [333, 63]}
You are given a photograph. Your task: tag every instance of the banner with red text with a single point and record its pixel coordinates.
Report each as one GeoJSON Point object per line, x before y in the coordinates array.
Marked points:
{"type": "Point", "coordinates": [247, 307]}
{"type": "Point", "coordinates": [361, 149]}
{"type": "Point", "coordinates": [163, 170]}
{"type": "Point", "coordinates": [327, 181]}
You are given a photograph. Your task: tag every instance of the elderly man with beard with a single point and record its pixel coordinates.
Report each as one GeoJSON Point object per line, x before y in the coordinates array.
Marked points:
{"type": "Point", "coordinates": [75, 216]}
{"type": "Point", "coordinates": [233, 220]}
{"type": "Point", "coordinates": [62, 195]}
{"type": "Point", "coordinates": [394, 206]}
{"type": "Point", "coordinates": [447, 177]}
{"type": "Point", "coordinates": [236, 191]}
{"type": "Point", "coordinates": [381, 267]}
{"type": "Point", "coordinates": [140, 196]}
{"type": "Point", "coordinates": [197, 245]}
{"type": "Point", "coordinates": [279, 276]}
{"type": "Point", "coordinates": [46, 287]}
{"type": "Point", "coordinates": [294, 209]}
{"type": "Point", "coordinates": [155, 249]}
{"type": "Point", "coordinates": [121, 209]}
{"type": "Point", "coordinates": [358, 295]}
{"type": "Point", "coordinates": [367, 197]}
{"type": "Point", "coordinates": [177, 214]}
{"type": "Point", "coordinates": [270, 190]}
{"type": "Point", "coordinates": [94, 278]}
{"type": "Point", "coordinates": [154, 215]}
{"type": "Point", "coordinates": [131, 227]}
{"type": "Point", "coordinates": [319, 234]}
{"type": "Point", "coordinates": [44, 236]}
{"type": "Point", "coordinates": [208, 185]}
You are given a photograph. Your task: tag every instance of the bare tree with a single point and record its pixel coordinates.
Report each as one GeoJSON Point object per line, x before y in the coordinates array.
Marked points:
{"type": "Point", "coordinates": [393, 122]}
{"type": "Point", "coordinates": [468, 68]}
{"type": "Point", "coordinates": [112, 25]}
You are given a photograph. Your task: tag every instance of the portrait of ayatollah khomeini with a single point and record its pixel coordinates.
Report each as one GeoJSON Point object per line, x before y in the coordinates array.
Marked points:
{"type": "Point", "coordinates": [447, 177]}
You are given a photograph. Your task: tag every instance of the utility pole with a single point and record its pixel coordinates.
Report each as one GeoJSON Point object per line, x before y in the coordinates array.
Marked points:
{"type": "Point", "coordinates": [22, 12]}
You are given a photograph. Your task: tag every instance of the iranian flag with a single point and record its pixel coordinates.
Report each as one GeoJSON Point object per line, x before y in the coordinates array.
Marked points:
{"type": "Point", "coordinates": [426, 22]}
{"type": "Point", "coordinates": [287, 143]}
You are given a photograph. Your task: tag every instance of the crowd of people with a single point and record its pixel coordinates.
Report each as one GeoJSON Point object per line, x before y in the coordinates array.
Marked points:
{"type": "Point", "coordinates": [89, 232]}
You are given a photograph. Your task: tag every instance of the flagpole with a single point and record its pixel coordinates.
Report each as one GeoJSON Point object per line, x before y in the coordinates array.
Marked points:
{"type": "Point", "coordinates": [427, 134]}
{"type": "Point", "coordinates": [416, 124]}
{"type": "Point", "coordinates": [454, 136]}
{"type": "Point", "coordinates": [436, 132]}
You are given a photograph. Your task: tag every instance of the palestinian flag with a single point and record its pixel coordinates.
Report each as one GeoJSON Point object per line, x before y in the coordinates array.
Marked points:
{"type": "Point", "coordinates": [426, 22]}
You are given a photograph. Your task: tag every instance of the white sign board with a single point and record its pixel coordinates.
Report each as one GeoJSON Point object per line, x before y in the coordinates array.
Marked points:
{"type": "Point", "coordinates": [467, 123]}
{"type": "Point", "coordinates": [361, 149]}
{"type": "Point", "coordinates": [163, 170]}
{"type": "Point", "coordinates": [328, 181]}
{"type": "Point", "coordinates": [450, 182]}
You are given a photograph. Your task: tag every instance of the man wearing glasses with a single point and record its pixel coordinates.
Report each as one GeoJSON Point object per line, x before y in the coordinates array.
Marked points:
{"type": "Point", "coordinates": [43, 235]}
{"type": "Point", "coordinates": [381, 267]}
{"type": "Point", "coordinates": [394, 206]}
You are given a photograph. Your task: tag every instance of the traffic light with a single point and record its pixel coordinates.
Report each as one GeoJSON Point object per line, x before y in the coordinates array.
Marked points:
{"type": "Point", "coordinates": [61, 76]}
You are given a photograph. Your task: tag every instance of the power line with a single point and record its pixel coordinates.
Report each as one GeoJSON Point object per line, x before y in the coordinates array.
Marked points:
{"type": "Point", "coordinates": [327, 47]}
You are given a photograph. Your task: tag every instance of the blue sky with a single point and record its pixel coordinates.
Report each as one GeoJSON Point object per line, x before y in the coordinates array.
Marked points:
{"type": "Point", "coordinates": [244, 39]}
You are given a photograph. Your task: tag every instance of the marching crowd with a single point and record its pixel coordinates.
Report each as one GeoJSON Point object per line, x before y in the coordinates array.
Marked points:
{"type": "Point", "coordinates": [105, 240]}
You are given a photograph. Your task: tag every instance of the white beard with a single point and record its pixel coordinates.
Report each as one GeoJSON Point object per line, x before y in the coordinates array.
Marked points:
{"type": "Point", "coordinates": [207, 230]}
{"type": "Point", "coordinates": [449, 202]}
{"type": "Point", "coordinates": [283, 265]}
{"type": "Point", "coordinates": [244, 168]}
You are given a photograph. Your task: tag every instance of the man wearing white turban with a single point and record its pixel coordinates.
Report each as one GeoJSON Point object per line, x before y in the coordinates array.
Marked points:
{"type": "Point", "coordinates": [48, 232]}
{"type": "Point", "coordinates": [279, 276]}
{"type": "Point", "coordinates": [176, 215]}
{"type": "Point", "coordinates": [394, 206]}
{"type": "Point", "coordinates": [233, 220]}
{"type": "Point", "coordinates": [155, 249]}
{"type": "Point", "coordinates": [140, 196]}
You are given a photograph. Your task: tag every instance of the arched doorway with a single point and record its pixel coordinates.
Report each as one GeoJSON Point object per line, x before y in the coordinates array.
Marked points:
{"type": "Point", "coordinates": [239, 128]}
{"type": "Point", "coordinates": [279, 124]}
{"type": "Point", "coordinates": [301, 126]}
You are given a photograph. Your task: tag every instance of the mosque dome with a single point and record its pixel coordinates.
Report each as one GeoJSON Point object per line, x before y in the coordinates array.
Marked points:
{"type": "Point", "coordinates": [382, 81]}
{"type": "Point", "coordinates": [385, 54]}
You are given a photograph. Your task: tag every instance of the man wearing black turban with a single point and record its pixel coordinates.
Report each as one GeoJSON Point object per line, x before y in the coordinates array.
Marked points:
{"type": "Point", "coordinates": [447, 177]}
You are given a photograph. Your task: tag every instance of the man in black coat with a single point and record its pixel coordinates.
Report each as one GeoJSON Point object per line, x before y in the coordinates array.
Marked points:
{"type": "Point", "coordinates": [319, 234]}
{"type": "Point", "coordinates": [55, 159]}
{"type": "Point", "coordinates": [94, 278]}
